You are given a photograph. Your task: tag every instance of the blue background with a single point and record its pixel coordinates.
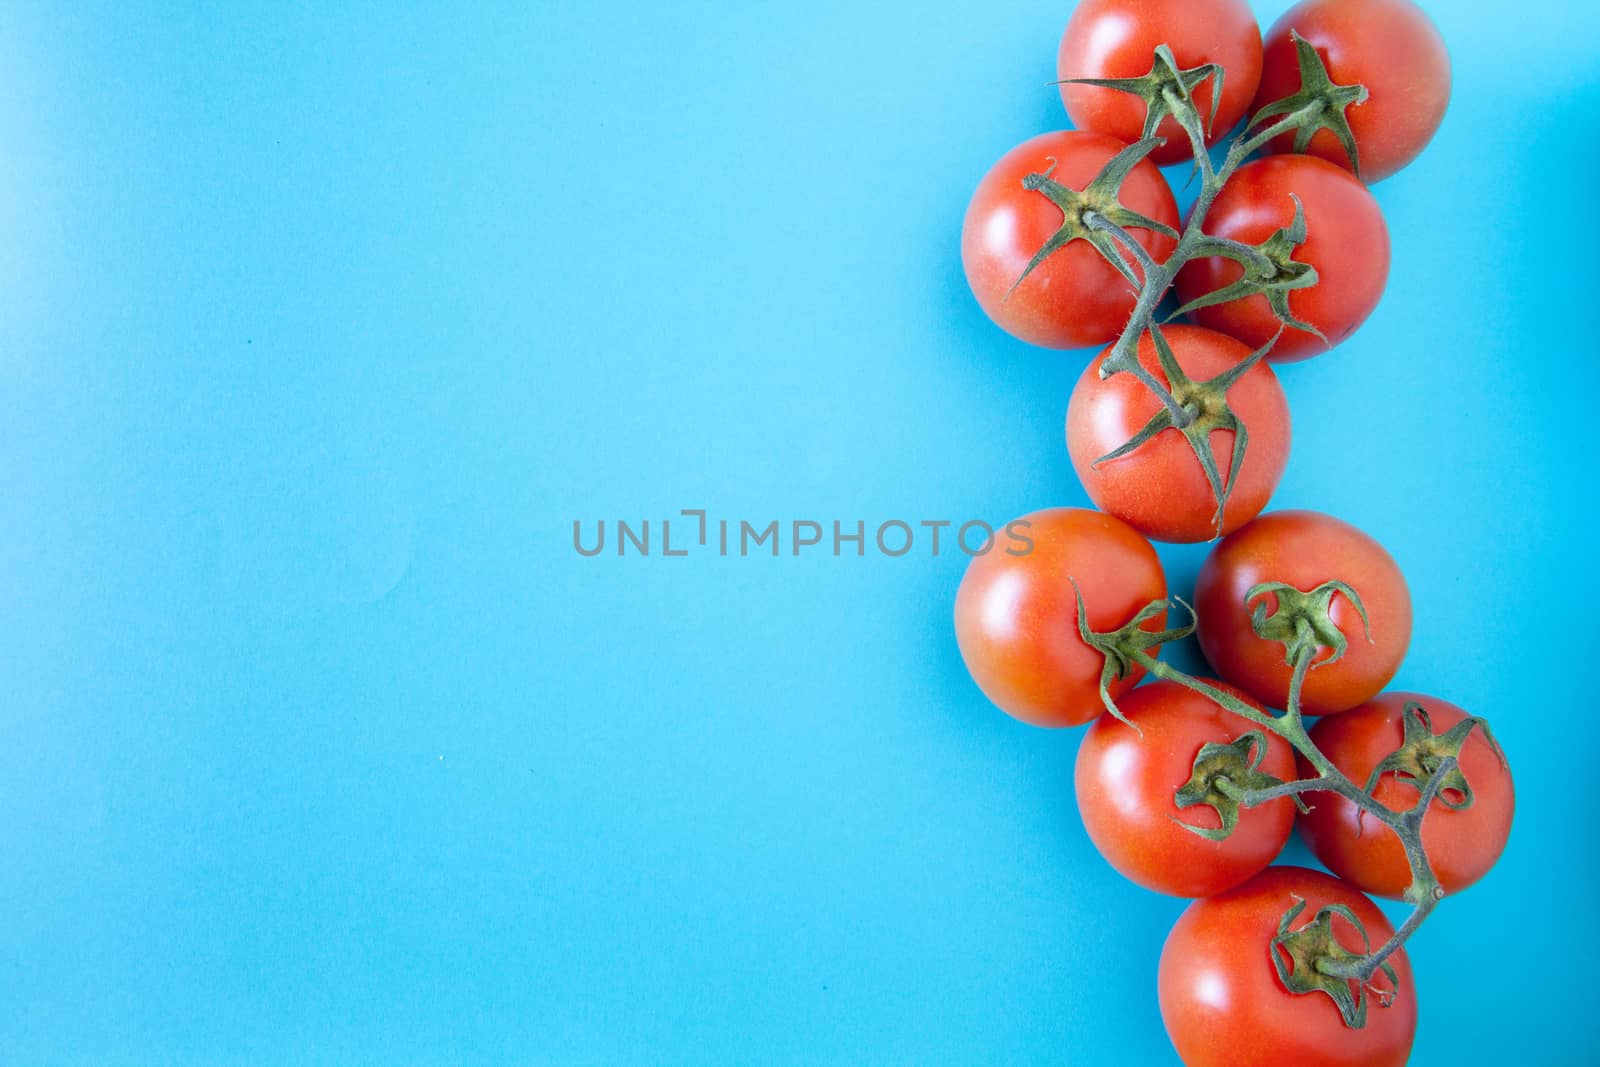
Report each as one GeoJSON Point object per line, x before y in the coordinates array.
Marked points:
{"type": "Point", "coordinates": [320, 325]}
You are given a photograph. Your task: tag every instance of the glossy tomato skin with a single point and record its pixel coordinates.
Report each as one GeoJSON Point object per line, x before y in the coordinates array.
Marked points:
{"type": "Point", "coordinates": [1118, 39]}
{"type": "Point", "coordinates": [1392, 48]}
{"type": "Point", "coordinates": [1224, 1005]}
{"type": "Point", "coordinates": [1074, 298]}
{"type": "Point", "coordinates": [1462, 845]}
{"type": "Point", "coordinates": [1347, 242]}
{"type": "Point", "coordinates": [1125, 783]}
{"type": "Point", "coordinates": [1160, 488]}
{"type": "Point", "coordinates": [1017, 616]}
{"type": "Point", "coordinates": [1304, 549]}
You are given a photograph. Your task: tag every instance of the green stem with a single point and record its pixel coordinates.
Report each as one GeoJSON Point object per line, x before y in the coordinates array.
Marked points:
{"type": "Point", "coordinates": [1302, 665]}
{"type": "Point", "coordinates": [1362, 969]}
{"type": "Point", "coordinates": [1251, 798]}
{"type": "Point", "coordinates": [1424, 892]}
{"type": "Point", "coordinates": [1158, 279]}
{"type": "Point", "coordinates": [1166, 672]}
{"type": "Point", "coordinates": [1096, 221]}
{"type": "Point", "coordinates": [1292, 730]}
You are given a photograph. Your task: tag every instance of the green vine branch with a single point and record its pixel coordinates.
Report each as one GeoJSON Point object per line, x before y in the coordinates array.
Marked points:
{"type": "Point", "coordinates": [1227, 777]}
{"type": "Point", "coordinates": [1195, 243]}
{"type": "Point", "coordinates": [1269, 269]}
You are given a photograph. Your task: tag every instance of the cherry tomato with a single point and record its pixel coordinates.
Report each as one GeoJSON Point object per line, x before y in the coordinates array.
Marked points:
{"type": "Point", "coordinates": [1017, 615]}
{"type": "Point", "coordinates": [1118, 39]}
{"type": "Point", "coordinates": [1126, 781]}
{"type": "Point", "coordinates": [1160, 488]}
{"type": "Point", "coordinates": [1225, 1006]}
{"type": "Point", "coordinates": [1346, 242]}
{"type": "Point", "coordinates": [1389, 46]}
{"type": "Point", "coordinates": [1462, 844]}
{"type": "Point", "coordinates": [1074, 298]}
{"type": "Point", "coordinates": [1304, 549]}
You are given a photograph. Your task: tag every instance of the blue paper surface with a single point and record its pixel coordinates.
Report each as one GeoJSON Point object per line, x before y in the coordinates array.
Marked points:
{"type": "Point", "coordinates": [320, 326]}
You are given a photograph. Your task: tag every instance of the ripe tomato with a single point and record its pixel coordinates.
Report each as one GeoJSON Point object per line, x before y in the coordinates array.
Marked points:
{"type": "Point", "coordinates": [1462, 844]}
{"type": "Point", "coordinates": [1389, 46]}
{"type": "Point", "coordinates": [1017, 615]}
{"type": "Point", "coordinates": [1160, 488]}
{"type": "Point", "coordinates": [1118, 39]}
{"type": "Point", "coordinates": [1225, 1006]}
{"type": "Point", "coordinates": [1346, 242]}
{"type": "Point", "coordinates": [1074, 298]}
{"type": "Point", "coordinates": [1126, 781]}
{"type": "Point", "coordinates": [1304, 549]}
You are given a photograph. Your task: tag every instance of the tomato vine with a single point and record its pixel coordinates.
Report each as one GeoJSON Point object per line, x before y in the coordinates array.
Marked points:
{"type": "Point", "coordinates": [1269, 269]}
{"type": "Point", "coordinates": [1301, 620]}
{"type": "Point", "coordinates": [1232, 777]}
{"type": "Point", "coordinates": [1306, 631]}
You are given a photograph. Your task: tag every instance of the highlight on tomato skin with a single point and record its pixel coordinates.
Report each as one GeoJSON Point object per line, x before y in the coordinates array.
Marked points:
{"type": "Point", "coordinates": [1463, 842]}
{"type": "Point", "coordinates": [1304, 549]}
{"type": "Point", "coordinates": [1160, 488]}
{"type": "Point", "coordinates": [1224, 1005]}
{"type": "Point", "coordinates": [1118, 39]}
{"type": "Point", "coordinates": [1074, 298]}
{"type": "Point", "coordinates": [1126, 779]}
{"type": "Point", "coordinates": [1389, 46]}
{"type": "Point", "coordinates": [1347, 242]}
{"type": "Point", "coordinates": [1017, 615]}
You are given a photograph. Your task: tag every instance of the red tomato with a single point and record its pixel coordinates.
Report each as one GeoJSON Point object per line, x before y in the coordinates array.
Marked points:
{"type": "Point", "coordinates": [1304, 549]}
{"type": "Point", "coordinates": [1389, 46]}
{"type": "Point", "coordinates": [1017, 615]}
{"type": "Point", "coordinates": [1126, 781]}
{"type": "Point", "coordinates": [1074, 298]}
{"type": "Point", "coordinates": [1118, 39]}
{"type": "Point", "coordinates": [1346, 241]}
{"type": "Point", "coordinates": [1225, 1006]}
{"type": "Point", "coordinates": [1160, 487]}
{"type": "Point", "coordinates": [1462, 844]}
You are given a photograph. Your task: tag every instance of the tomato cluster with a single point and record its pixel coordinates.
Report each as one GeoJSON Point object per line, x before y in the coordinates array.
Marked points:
{"type": "Point", "coordinates": [1318, 247]}
{"type": "Point", "coordinates": [1180, 432]}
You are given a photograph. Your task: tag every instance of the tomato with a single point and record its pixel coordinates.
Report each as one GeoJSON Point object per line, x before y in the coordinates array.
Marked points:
{"type": "Point", "coordinates": [1304, 549]}
{"type": "Point", "coordinates": [1126, 780]}
{"type": "Point", "coordinates": [1389, 46]}
{"type": "Point", "coordinates": [1462, 844]}
{"type": "Point", "coordinates": [1225, 1006]}
{"type": "Point", "coordinates": [1073, 298]}
{"type": "Point", "coordinates": [1118, 39]}
{"type": "Point", "coordinates": [1346, 242]}
{"type": "Point", "coordinates": [1017, 615]}
{"type": "Point", "coordinates": [1160, 488]}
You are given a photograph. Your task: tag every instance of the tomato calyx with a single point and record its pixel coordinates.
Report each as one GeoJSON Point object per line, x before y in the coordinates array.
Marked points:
{"type": "Point", "coordinates": [1270, 271]}
{"type": "Point", "coordinates": [1427, 760]}
{"type": "Point", "coordinates": [1099, 200]}
{"type": "Point", "coordinates": [1167, 91]}
{"type": "Point", "coordinates": [1304, 957]}
{"type": "Point", "coordinates": [1320, 102]}
{"type": "Point", "coordinates": [1302, 621]}
{"type": "Point", "coordinates": [1206, 405]}
{"type": "Point", "coordinates": [1124, 646]}
{"type": "Point", "coordinates": [1225, 776]}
